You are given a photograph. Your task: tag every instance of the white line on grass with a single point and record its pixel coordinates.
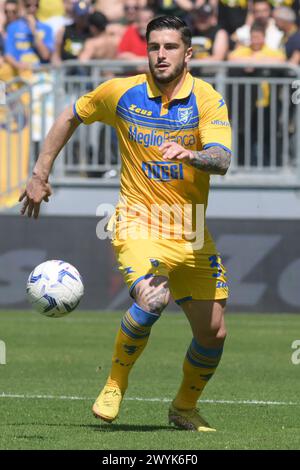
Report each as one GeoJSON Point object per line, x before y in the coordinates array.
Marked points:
{"type": "Point", "coordinates": [162, 400]}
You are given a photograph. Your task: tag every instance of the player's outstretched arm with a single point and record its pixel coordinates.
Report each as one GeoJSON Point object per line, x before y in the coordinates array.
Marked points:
{"type": "Point", "coordinates": [215, 160]}
{"type": "Point", "coordinates": [38, 189]}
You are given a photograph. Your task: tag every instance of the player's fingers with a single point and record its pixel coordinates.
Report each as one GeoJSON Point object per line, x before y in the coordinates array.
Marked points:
{"type": "Point", "coordinates": [49, 189]}
{"type": "Point", "coordinates": [172, 153]}
{"type": "Point", "coordinates": [30, 208]}
{"type": "Point", "coordinates": [171, 148]}
{"type": "Point", "coordinates": [36, 210]}
{"type": "Point", "coordinates": [22, 195]}
{"type": "Point", "coordinates": [165, 146]}
{"type": "Point", "coordinates": [24, 207]}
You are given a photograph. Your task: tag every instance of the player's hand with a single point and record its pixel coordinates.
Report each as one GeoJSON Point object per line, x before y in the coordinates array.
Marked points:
{"type": "Point", "coordinates": [37, 190]}
{"type": "Point", "coordinates": [174, 151]}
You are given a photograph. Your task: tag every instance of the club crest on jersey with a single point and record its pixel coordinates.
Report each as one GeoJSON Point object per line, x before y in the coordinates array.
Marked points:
{"type": "Point", "coordinates": [185, 114]}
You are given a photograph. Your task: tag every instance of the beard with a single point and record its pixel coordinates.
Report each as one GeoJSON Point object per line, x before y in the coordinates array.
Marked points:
{"type": "Point", "coordinates": [159, 78]}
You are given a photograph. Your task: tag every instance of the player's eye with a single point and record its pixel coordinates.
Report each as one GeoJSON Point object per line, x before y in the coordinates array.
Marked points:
{"type": "Point", "coordinates": [171, 46]}
{"type": "Point", "coordinates": [153, 47]}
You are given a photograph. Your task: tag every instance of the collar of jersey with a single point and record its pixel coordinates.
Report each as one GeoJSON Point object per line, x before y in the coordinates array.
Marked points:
{"type": "Point", "coordinates": [186, 89]}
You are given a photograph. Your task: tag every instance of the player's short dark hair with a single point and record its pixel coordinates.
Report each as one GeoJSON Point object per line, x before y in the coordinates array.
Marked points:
{"type": "Point", "coordinates": [170, 22]}
{"type": "Point", "coordinates": [258, 26]}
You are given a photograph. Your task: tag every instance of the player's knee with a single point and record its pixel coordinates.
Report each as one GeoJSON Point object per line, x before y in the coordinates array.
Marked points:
{"type": "Point", "coordinates": [157, 305]}
{"type": "Point", "coordinates": [213, 336]}
{"type": "Point", "coordinates": [154, 295]}
{"type": "Point", "coordinates": [221, 334]}
{"type": "Point", "coordinates": [217, 330]}
{"type": "Point", "coordinates": [155, 301]}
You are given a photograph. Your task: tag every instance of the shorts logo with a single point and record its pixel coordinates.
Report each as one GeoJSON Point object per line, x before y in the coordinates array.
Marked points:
{"type": "Point", "coordinates": [221, 285]}
{"type": "Point", "coordinates": [163, 171]}
{"type": "Point", "coordinates": [185, 114]}
{"type": "Point", "coordinates": [215, 263]}
{"type": "Point", "coordinates": [128, 270]}
{"type": "Point", "coordinates": [154, 262]}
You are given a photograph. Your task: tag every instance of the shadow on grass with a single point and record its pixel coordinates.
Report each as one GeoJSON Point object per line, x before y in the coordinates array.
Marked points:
{"type": "Point", "coordinates": [129, 427]}
{"type": "Point", "coordinates": [102, 427]}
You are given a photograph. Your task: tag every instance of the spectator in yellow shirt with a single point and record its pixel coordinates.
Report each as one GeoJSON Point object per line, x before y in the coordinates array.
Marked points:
{"type": "Point", "coordinates": [257, 51]}
{"type": "Point", "coordinates": [259, 98]}
{"type": "Point", "coordinates": [47, 9]}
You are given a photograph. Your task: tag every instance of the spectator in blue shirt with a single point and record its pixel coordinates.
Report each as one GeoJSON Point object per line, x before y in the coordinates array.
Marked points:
{"type": "Point", "coordinates": [11, 13]}
{"type": "Point", "coordinates": [29, 42]}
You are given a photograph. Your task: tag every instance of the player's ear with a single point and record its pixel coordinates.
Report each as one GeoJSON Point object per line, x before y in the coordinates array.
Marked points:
{"type": "Point", "coordinates": [188, 54]}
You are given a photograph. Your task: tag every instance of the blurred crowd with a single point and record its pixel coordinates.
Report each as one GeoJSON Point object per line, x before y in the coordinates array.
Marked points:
{"type": "Point", "coordinates": [36, 32]}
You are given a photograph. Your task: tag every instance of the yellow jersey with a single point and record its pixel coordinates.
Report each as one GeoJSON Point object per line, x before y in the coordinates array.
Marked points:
{"type": "Point", "coordinates": [144, 118]}
{"type": "Point", "coordinates": [245, 51]}
{"type": "Point", "coordinates": [49, 9]}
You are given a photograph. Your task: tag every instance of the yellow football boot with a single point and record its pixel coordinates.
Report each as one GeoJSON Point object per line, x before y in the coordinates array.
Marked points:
{"type": "Point", "coordinates": [107, 404]}
{"type": "Point", "coordinates": [189, 420]}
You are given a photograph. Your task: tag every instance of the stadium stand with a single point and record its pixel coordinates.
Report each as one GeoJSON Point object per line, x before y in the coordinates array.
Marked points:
{"type": "Point", "coordinates": [265, 123]}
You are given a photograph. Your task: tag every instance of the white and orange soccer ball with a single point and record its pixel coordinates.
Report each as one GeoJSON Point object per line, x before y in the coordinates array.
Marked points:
{"type": "Point", "coordinates": [55, 288]}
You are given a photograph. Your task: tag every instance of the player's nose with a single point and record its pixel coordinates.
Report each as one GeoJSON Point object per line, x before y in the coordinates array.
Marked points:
{"type": "Point", "coordinates": [161, 53]}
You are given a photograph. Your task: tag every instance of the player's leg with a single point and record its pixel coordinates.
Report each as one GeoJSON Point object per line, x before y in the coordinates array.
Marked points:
{"type": "Point", "coordinates": [151, 296]}
{"type": "Point", "coordinates": [200, 288]}
{"type": "Point", "coordinates": [207, 322]}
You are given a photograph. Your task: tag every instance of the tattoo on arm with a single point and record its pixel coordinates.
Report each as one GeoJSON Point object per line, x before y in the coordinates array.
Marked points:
{"type": "Point", "coordinates": [214, 160]}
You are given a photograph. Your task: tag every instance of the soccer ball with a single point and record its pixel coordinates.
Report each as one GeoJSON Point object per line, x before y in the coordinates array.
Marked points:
{"type": "Point", "coordinates": [54, 288]}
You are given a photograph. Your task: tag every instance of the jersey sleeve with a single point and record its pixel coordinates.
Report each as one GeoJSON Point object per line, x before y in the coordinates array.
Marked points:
{"type": "Point", "coordinates": [98, 105]}
{"type": "Point", "coordinates": [214, 125]}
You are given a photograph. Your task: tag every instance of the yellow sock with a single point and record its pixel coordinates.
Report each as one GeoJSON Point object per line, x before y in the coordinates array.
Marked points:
{"type": "Point", "coordinates": [130, 342]}
{"type": "Point", "coordinates": [199, 366]}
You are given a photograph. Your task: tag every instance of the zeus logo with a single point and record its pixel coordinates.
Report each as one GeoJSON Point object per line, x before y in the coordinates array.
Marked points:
{"type": "Point", "coordinates": [144, 112]}
{"type": "Point", "coordinates": [163, 171]}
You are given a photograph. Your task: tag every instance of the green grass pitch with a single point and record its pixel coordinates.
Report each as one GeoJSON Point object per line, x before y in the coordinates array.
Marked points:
{"type": "Point", "coordinates": [56, 367]}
